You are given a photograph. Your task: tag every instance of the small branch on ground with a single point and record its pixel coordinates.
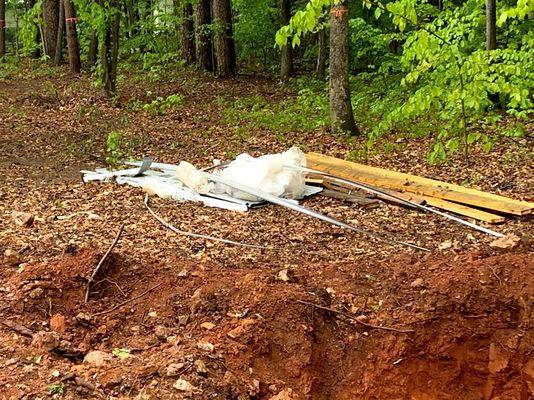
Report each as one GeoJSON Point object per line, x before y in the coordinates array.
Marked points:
{"type": "Point", "coordinates": [101, 262]}
{"type": "Point", "coordinates": [128, 301]}
{"type": "Point", "coordinates": [346, 315]}
{"type": "Point", "coordinates": [17, 328]}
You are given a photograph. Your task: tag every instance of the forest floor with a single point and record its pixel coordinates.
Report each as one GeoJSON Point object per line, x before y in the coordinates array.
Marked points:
{"type": "Point", "coordinates": [208, 321]}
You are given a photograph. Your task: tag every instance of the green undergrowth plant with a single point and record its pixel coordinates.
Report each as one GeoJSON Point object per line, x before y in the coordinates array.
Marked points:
{"type": "Point", "coordinates": [158, 106]}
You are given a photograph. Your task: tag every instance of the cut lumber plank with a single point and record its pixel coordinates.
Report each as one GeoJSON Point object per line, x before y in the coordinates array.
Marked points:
{"type": "Point", "coordinates": [359, 200]}
{"type": "Point", "coordinates": [414, 184]}
{"type": "Point", "coordinates": [464, 210]}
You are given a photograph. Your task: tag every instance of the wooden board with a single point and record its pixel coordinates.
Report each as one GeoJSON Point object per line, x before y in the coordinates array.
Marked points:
{"type": "Point", "coordinates": [464, 210]}
{"type": "Point", "coordinates": [418, 185]}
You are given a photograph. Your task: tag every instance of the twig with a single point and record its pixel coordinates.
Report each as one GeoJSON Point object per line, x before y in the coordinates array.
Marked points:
{"type": "Point", "coordinates": [128, 301]}
{"type": "Point", "coordinates": [17, 328]}
{"type": "Point", "coordinates": [384, 328]}
{"type": "Point", "coordinates": [113, 283]}
{"type": "Point", "coordinates": [101, 262]}
{"type": "Point", "coordinates": [197, 235]}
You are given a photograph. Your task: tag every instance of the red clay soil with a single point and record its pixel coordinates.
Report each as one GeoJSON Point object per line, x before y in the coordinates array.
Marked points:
{"type": "Point", "coordinates": [239, 332]}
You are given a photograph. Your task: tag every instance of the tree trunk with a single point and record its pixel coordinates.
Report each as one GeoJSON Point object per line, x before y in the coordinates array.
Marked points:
{"type": "Point", "coordinates": [93, 50]}
{"type": "Point", "coordinates": [2, 28]}
{"type": "Point", "coordinates": [491, 19]}
{"type": "Point", "coordinates": [58, 57]}
{"type": "Point", "coordinates": [50, 26]}
{"type": "Point", "coordinates": [109, 51]}
{"type": "Point", "coordinates": [72, 37]}
{"type": "Point", "coordinates": [321, 54]}
{"type": "Point", "coordinates": [224, 40]}
{"type": "Point", "coordinates": [286, 57]}
{"type": "Point", "coordinates": [187, 46]}
{"type": "Point", "coordinates": [204, 46]}
{"type": "Point", "coordinates": [339, 90]}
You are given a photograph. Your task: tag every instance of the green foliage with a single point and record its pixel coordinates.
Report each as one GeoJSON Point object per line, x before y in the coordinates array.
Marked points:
{"type": "Point", "coordinates": [305, 112]}
{"type": "Point", "coordinates": [158, 106]}
{"type": "Point", "coordinates": [56, 388]}
{"type": "Point", "coordinates": [113, 148]}
{"type": "Point", "coordinates": [29, 23]}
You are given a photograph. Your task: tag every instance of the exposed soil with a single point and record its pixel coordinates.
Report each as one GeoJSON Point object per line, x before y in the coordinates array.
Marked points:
{"type": "Point", "coordinates": [217, 321]}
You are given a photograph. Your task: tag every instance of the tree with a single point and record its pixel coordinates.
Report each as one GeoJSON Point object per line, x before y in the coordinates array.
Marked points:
{"type": "Point", "coordinates": [93, 49]}
{"type": "Point", "coordinates": [341, 113]}
{"type": "Point", "coordinates": [187, 31]}
{"type": "Point", "coordinates": [224, 40]}
{"type": "Point", "coordinates": [286, 57]}
{"type": "Point", "coordinates": [2, 28]}
{"type": "Point", "coordinates": [72, 37]}
{"type": "Point", "coordinates": [322, 52]}
{"type": "Point", "coordinates": [50, 26]}
{"type": "Point", "coordinates": [204, 46]}
{"type": "Point", "coordinates": [58, 57]}
{"type": "Point", "coordinates": [109, 48]}
{"type": "Point", "coordinates": [491, 20]}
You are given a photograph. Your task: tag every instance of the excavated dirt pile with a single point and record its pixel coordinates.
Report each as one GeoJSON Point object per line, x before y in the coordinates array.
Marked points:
{"type": "Point", "coordinates": [201, 330]}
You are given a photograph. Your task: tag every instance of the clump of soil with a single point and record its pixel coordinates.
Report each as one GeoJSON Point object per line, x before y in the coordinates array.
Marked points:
{"type": "Point", "coordinates": [206, 329]}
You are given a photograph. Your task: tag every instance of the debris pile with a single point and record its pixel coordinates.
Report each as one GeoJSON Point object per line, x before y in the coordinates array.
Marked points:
{"type": "Point", "coordinates": [283, 178]}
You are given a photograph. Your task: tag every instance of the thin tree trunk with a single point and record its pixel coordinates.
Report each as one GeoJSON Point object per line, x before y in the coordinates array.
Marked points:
{"type": "Point", "coordinates": [58, 57]}
{"type": "Point", "coordinates": [50, 26]}
{"type": "Point", "coordinates": [109, 51]}
{"type": "Point", "coordinates": [491, 19]}
{"type": "Point", "coordinates": [2, 28]}
{"type": "Point", "coordinates": [286, 57]}
{"type": "Point", "coordinates": [224, 41]}
{"type": "Point", "coordinates": [339, 90]}
{"type": "Point", "coordinates": [93, 50]}
{"type": "Point", "coordinates": [187, 46]}
{"type": "Point", "coordinates": [204, 45]}
{"type": "Point", "coordinates": [72, 37]}
{"type": "Point", "coordinates": [321, 54]}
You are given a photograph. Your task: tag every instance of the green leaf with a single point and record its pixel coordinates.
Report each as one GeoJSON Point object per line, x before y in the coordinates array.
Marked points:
{"type": "Point", "coordinates": [121, 353]}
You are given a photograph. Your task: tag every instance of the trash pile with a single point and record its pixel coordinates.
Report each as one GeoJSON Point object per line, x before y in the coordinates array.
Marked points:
{"type": "Point", "coordinates": [284, 178]}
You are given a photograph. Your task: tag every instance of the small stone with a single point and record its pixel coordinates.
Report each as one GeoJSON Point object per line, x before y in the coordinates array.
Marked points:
{"type": "Point", "coordinates": [173, 339]}
{"type": "Point", "coordinates": [243, 327]}
{"type": "Point", "coordinates": [183, 319]}
{"type": "Point", "coordinates": [36, 293]}
{"type": "Point", "coordinates": [200, 367]}
{"type": "Point", "coordinates": [152, 314]}
{"type": "Point", "coordinates": [22, 218]}
{"type": "Point", "coordinates": [174, 369]}
{"type": "Point", "coordinates": [206, 346]}
{"type": "Point", "coordinates": [162, 332]}
{"type": "Point", "coordinates": [284, 276]}
{"type": "Point", "coordinates": [46, 340]}
{"type": "Point", "coordinates": [183, 273]}
{"type": "Point", "coordinates": [58, 323]}
{"type": "Point", "coordinates": [207, 325]}
{"type": "Point", "coordinates": [417, 283]}
{"type": "Point", "coordinates": [12, 258]}
{"type": "Point", "coordinates": [286, 394]}
{"type": "Point", "coordinates": [183, 386]}
{"type": "Point", "coordinates": [56, 373]}
{"type": "Point", "coordinates": [83, 317]}
{"type": "Point", "coordinates": [498, 359]}
{"type": "Point", "coordinates": [97, 358]}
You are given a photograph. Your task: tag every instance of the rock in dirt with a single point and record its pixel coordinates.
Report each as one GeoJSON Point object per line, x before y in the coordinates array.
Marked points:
{"type": "Point", "coordinates": [498, 359]}
{"type": "Point", "coordinates": [46, 340]}
{"type": "Point", "coordinates": [285, 275]}
{"type": "Point", "coordinates": [58, 323]}
{"type": "Point", "coordinates": [22, 218]}
{"type": "Point", "coordinates": [506, 242]}
{"type": "Point", "coordinates": [201, 368]}
{"type": "Point", "coordinates": [243, 327]}
{"type": "Point", "coordinates": [12, 258]}
{"type": "Point", "coordinates": [286, 394]}
{"type": "Point", "coordinates": [36, 293]}
{"type": "Point", "coordinates": [206, 346]}
{"type": "Point", "coordinates": [162, 332]}
{"type": "Point", "coordinates": [174, 369]}
{"type": "Point", "coordinates": [97, 358]}
{"type": "Point", "coordinates": [417, 283]}
{"type": "Point", "coordinates": [183, 386]}
{"type": "Point", "coordinates": [207, 326]}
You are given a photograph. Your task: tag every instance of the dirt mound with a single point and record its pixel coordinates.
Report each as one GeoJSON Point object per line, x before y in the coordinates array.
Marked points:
{"type": "Point", "coordinates": [199, 329]}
